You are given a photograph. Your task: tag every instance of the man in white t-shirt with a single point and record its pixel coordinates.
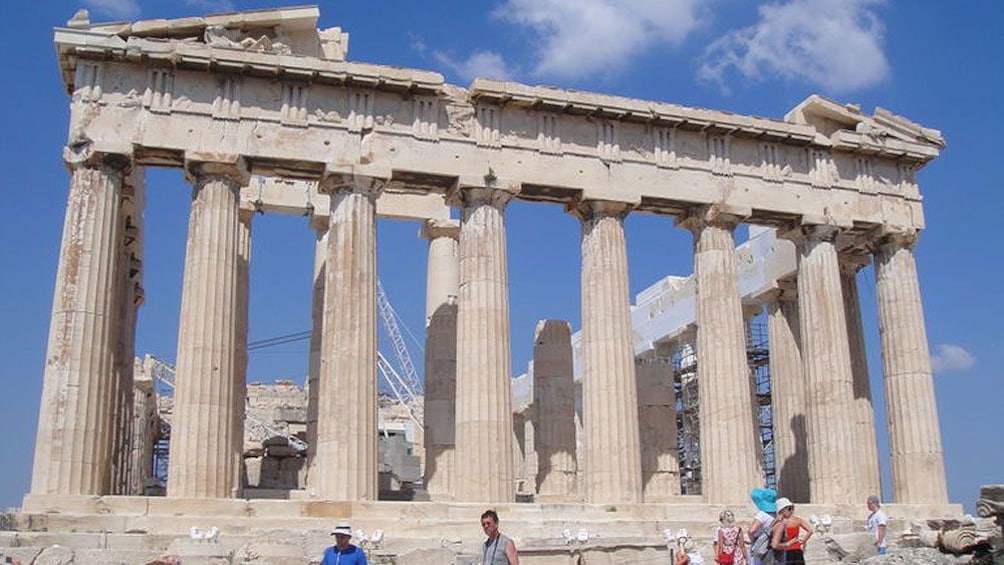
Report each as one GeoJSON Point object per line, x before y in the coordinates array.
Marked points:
{"type": "Point", "coordinates": [877, 523]}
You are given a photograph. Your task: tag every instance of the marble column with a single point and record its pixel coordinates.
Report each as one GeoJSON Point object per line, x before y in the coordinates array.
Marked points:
{"type": "Point", "coordinates": [241, 366]}
{"type": "Point", "coordinates": [554, 412]}
{"type": "Point", "coordinates": [346, 465]}
{"type": "Point", "coordinates": [826, 361]}
{"type": "Point", "coordinates": [522, 450]}
{"type": "Point", "coordinates": [314, 367]}
{"type": "Point", "coordinates": [730, 458]}
{"type": "Point", "coordinates": [129, 297]}
{"type": "Point", "coordinates": [864, 411]}
{"type": "Point", "coordinates": [660, 466]}
{"type": "Point", "coordinates": [73, 449]}
{"type": "Point", "coordinates": [146, 428]}
{"type": "Point", "coordinates": [612, 460]}
{"type": "Point", "coordinates": [789, 398]}
{"type": "Point", "coordinates": [918, 466]}
{"type": "Point", "coordinates": [442, 288]}
{"type": "Point", "coordinates": [484, 467]}
{"type": "Point", "coordinates": [205, 446]}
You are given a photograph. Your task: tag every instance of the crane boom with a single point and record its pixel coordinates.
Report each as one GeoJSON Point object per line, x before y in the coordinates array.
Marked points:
{"type": "Point", "coordinates": [389, 317]}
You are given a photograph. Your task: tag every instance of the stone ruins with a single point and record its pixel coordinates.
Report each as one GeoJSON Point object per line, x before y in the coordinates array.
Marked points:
{"type": "Point", "coordinates": [265, 114]}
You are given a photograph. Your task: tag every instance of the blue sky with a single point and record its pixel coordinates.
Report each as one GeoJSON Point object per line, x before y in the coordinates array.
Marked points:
{"type": "Point", "coordinates": [932, 61]}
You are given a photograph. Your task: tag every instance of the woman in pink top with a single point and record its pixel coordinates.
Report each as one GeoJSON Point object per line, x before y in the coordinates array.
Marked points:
{"type": "Point", "coordinates": [731, 548]}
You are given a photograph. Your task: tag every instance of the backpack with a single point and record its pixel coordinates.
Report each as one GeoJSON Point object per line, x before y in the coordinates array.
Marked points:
{"type": "Point", "coordinates": [761, 545]}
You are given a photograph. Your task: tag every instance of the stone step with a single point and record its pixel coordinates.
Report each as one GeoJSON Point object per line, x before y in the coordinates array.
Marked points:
{"type": "Point", "coordinates": [259, 532]}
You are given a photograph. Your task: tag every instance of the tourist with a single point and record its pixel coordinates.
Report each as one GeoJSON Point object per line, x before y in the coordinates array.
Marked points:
{"type": "Point", "coordinates": [686, 553]}
{"type": "Point", "coordinates": [877, 523]}
{"type": "Point", "coordinates": [730, 546]}
{"type": "Point", "coordinates": [343, 552]}
{"type": "Point", "coordinates": [682, 557]}
{"type": "Point", "coordinates": [786, 534]}
{"type": "Point", "coordinates": [498, 548]}
{"type": "Point", "coordinates": [759, 530]}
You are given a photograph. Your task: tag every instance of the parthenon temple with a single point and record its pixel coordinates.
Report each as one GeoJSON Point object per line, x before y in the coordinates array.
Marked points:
{"type": "Point", "coordinates": [265, 114]}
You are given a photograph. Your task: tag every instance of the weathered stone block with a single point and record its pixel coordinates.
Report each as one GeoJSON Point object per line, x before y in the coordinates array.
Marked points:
{"type": "Point", "coordinates": [440, 556]}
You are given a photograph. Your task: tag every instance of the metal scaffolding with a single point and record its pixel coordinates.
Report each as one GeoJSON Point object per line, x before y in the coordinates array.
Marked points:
{"type": "Point", "coordinates": [688, 418]}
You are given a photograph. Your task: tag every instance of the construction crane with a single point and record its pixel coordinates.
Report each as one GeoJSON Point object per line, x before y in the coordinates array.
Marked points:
{"type": "Point", "coordinates": [390, 317]}
{"type": "Point", "coordinates": [405, 385]}
{"type": "Point", "coordinates": [400, 388]}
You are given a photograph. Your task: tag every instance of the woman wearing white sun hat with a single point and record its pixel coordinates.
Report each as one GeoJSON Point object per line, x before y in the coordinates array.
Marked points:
{"type": "Point", "coordinates": [786, 534]}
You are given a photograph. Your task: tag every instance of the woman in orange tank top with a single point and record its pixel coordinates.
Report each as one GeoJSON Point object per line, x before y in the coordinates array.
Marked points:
{"type": "Point", "coordinates": [786, 536]}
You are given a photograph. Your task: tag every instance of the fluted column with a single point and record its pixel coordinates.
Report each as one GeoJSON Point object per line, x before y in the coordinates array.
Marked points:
{"type": "Point", "coordinates": [484, 470]}
{"type": "Point", "coordinates": [864, 411]}
{"type": "Point", "coordinates": [789, 399]}
{"type": "Point", "coordinates": [73, 445]}
{"type": "Point", "coordinates": [205, 447]}
{"type": "Point", "coordinates": [145, 428]}
{"type": "Point", "coordinates": [347, 409]}
{"type": "Point", "coordinates": [612, 459]}
{"type": "Point", "coordinates": [141, 397]}
{"type": "Point", "coordinates": [241, 366]}
{"type": "Point", "coordinates": [730, 460]}
{"type": "Point", "coordinates": [314, 368]}
{"type": "Point", "coordinates": [918, 466]}
{"type": "Point", "coordinates": [442, 287]}
{"type": "Point", "coordinates": [826, 360]}
{"type": "Point", "coordinates": [554, 412]}
{"type": "Point", "coordinates": [129, 297]}
{"type": "Point", "coordinates": [660, 466]}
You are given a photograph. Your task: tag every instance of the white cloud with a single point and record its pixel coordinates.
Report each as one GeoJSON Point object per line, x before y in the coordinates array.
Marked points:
{"type": "Point", "coordinates": [836, 44]}
{"type": "Point", "coordinates": [487, 64]}
{"type": "Point", "coordinates": [951, 358]}
{"type": "Point", "coordinates": [418, 44]}
{"type": "Point", "coordinates": [211, 6]}
{"type": "Point", "coordinates": [117, 9]}
{"type": "Point", "coordinates": [577, 38]}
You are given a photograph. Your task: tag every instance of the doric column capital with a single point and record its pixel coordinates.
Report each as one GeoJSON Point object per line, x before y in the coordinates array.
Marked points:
{"type": "Point", "coordinates": [894, 240]}
{"type": "Point", "coordinates": [435, 229]}
{"type": "Point", "coordinates": [812, 232]}
{"type": "Point", "coordinates": [334, 181]}
{"type": "Point", "coordinates": [245, 215]}
{"type": "Point", "coordinates": [497, 196]}
{"type": "Point", "coordinates": [118, 160]}
{"type": "Point", "coordinates": [201, 166]}
{"type": "Point", "coordinates": [851, 263]}
{"type": "Point", "coordinates": [319, 223]}
{"type": "Point", "coordinates": [586, 210]}
{"type": "Point", "coordinates": [783, 290]}
{"type": "Point", "coordinates": [719, 214]}
{"type": "Point", "coordinates": [786, 290]}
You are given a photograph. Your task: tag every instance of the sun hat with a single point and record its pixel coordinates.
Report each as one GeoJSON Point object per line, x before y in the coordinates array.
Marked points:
{"type": "Point", "coordinates": [783, 503]}
{"type": "Point", "coordinates": [764, 499]}
{"type": "Point", "coordinates": [342, 529]}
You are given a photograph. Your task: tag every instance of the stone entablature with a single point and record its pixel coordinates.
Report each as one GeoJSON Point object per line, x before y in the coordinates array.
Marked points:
{"type": "Point", "coordinates": [301, 115]}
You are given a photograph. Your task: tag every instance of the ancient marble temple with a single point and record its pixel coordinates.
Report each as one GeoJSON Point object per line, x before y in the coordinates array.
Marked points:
{"type": "Point", "coordinates": [264, 113]}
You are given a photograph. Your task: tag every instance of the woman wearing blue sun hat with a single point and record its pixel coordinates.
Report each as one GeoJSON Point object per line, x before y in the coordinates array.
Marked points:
{"type": "Point", "coordinates": [764, 499]}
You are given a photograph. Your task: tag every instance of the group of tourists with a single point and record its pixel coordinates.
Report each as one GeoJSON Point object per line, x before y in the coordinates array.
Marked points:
{"type": "Point", "coordinates": [498, 549]}
{"type": "Point", "coordinates": [776, 536]}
